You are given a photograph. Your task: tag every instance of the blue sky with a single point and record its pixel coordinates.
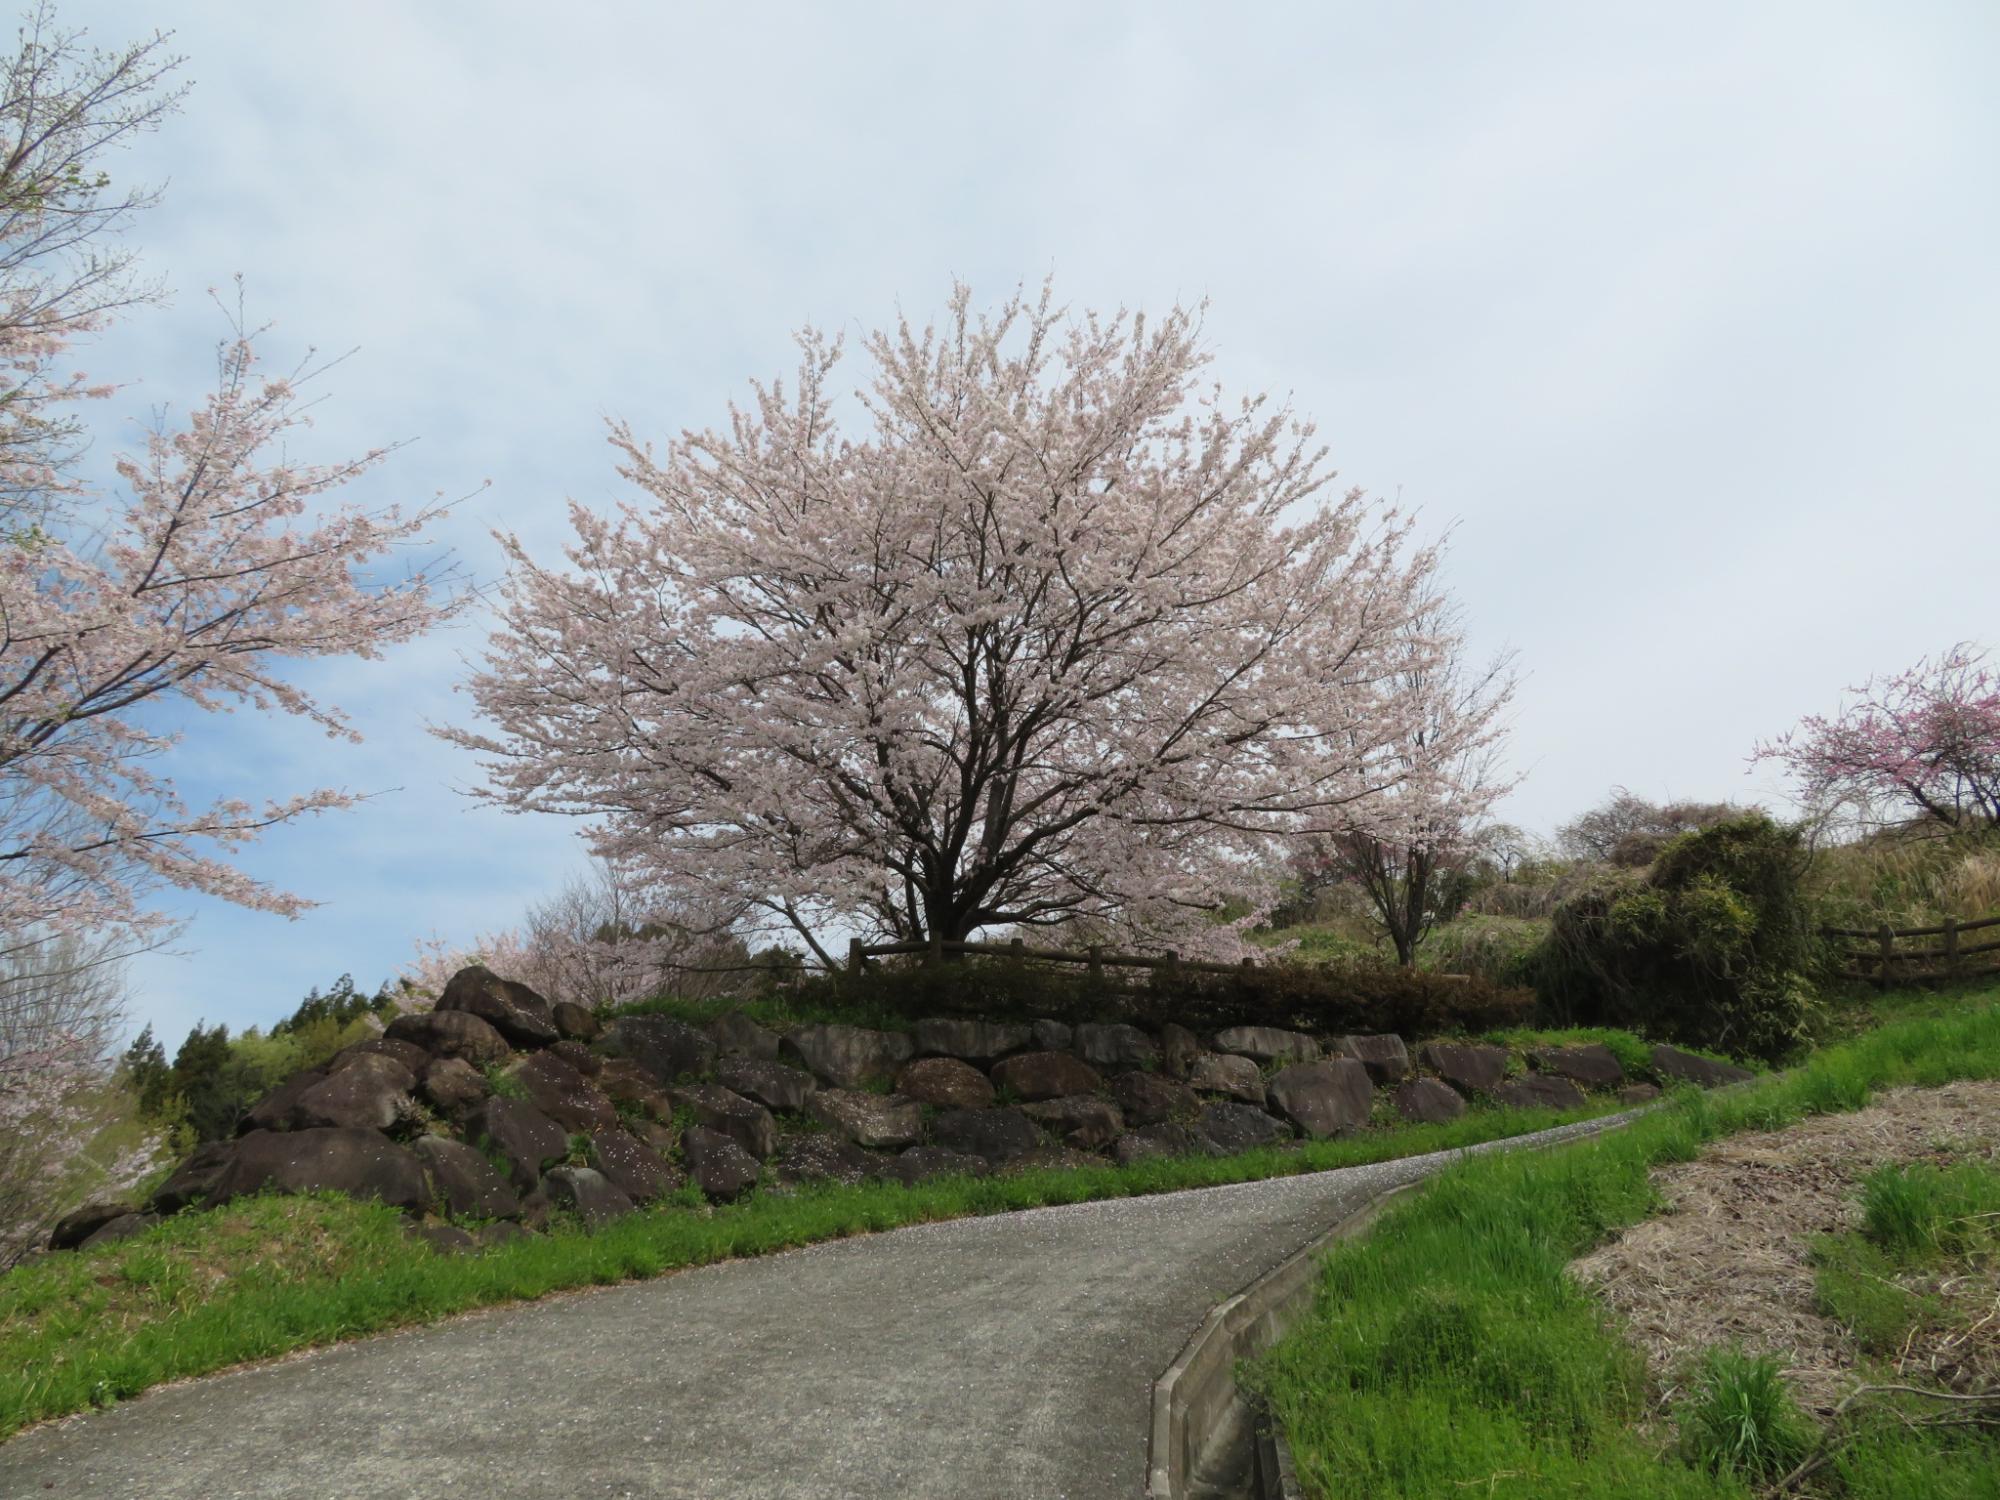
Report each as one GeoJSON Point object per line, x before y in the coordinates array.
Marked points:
{"type": "Point", "coordinates": [1684, 316]}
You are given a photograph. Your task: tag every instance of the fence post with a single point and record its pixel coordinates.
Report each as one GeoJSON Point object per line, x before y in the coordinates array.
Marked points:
{"type": "Point", "coordinates": [1249, 962]}
{"type": "Point", "coordinates": [1173, 962]}
{"type": "Point", "coordinates": [1951, 947]}
{"type": "Point", "coordinates": [1096, 961]}
{"type": "Point", "coordinates": [856, 959]}
{"type": "Point", "coordinates": [1015, 945]}
{"type": "Point", "coordinates": [935, 953]}
{"type": "Point", "coordinates": [1888, 941]}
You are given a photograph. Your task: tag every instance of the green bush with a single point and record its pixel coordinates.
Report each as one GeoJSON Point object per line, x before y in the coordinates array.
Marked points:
{"type": "Point", "coordinates": [1713, 946]}
{"type": "Point", "coordinates": [1409, 1002]}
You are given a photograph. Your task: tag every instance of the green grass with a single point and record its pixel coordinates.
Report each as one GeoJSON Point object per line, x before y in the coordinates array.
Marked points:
{"type": "Point", "coordinates": [1917, 1218]}
{"type": "Point", "coordinates": [1449, 1352]}
{"type": "Point", "coordinates": [264, 1276]}
{"type": "Point", "coordinates": [1741, 1420]}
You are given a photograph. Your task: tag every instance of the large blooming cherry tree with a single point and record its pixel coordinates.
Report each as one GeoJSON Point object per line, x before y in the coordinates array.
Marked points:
{"type": "Point", "coordinates": [1922, 744]}
{"type": "Point", "coordinates": [1035, 627]}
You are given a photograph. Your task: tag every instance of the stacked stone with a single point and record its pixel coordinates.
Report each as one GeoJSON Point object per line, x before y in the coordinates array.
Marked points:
{"type": "Point", "coordinates": [497, 1110]}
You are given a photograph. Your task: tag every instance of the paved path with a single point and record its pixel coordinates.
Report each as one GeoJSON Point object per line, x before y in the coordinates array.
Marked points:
{"type": "Point", "coordinates": [1010, 1357]}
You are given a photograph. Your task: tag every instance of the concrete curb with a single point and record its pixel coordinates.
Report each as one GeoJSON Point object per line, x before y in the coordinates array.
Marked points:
{"type": "Point", "coordinates": [1197, 1406]}
{"type": "Point", "coordinates": [1200, 1415]}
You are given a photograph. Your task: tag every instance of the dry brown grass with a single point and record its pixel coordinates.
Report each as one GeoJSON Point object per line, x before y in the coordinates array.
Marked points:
{"type": "Point", "coordinates": [1728, 1261]}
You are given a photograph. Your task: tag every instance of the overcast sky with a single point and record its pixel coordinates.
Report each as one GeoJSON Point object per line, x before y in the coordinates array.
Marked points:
{"type": "Point", "coordinates": [1686, 320]}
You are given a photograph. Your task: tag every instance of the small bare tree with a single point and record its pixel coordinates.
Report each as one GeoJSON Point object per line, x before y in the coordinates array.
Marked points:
{"type": "Point", "coordinates": [1405, 850]}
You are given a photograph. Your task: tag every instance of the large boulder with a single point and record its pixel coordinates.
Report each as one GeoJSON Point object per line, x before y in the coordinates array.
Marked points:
{"type": "Point", "coordinates": [471, 1189]}
{"type": "Point", "coordinates": [578, 1056]}
{"type": "Point", "coordinates": [771, 1084]}
{"type": "Point", "coordinates": [444, 1239]}
{"type": "Point", "coordinates": [847, 1056]}
{"type": "Point", "coordinates": [409, 1054]}
{"type": "Point", "coordinates": [1639, 1093]}
{"type": "Point", "coordinates": [1267, 1044]}
{"type": "Point", "coordinates": [519, 1135]}
{"type": "Point", "coordinates": [1082, 1121]}
{"type": "Point", "coordinates": [1426, 1101]}
{"type": "Point", "coordinates": [1323, 1098]}
{"type": "Point", "coordinates": [575, 1023]}
{"type": "Point", "coordinates": [1539, 1091]}
{"type": "Point", "coordinates": [625, 1082]}
{"type": "Point", "coordinates": [452, 1033]}
{"type": "Point", "coordinates": [1384, 1056]}
{"type": "Point", "coordinates": [563, 1094]}
{"type": "Point", "coordinates": [79, 1224]}
{"type": "Point", "coordinates": [1050, 1036]}
{"type": "Point", "coordinates": [823, 1158]}
{"type": "Point", "coordinates": [1223, 1073]}
{"type": "Point", "coordinates": [451, 1086]}
{"type": "Point", "coordinates": [1237, 1127]}
{"type": "Point", "coordinates": [194, 1179]}
{"type": "Point", "coordinates": [1116, 1046]}
{"type": "Point", "coordinates": [971, 1041]}
{"type": "Point", "coordinates": [1688, 1067]}
{"type": "Point", "coordinates": [944, 1083]}
{"type": "Point", "coordinates": [1469, 1067]}
{"type": "Point", "coordinates": [509, 1007]}
{"type": "Point", "coordinates": [588, 1194]}
{"type": "Point", "coordinates": [736, 1035]}
{"type": "Point", "coordinates": [1150, 1098]}
{"type": "Point", "coordinates": [121, 1228]}
{"type": "Point", "coordinates": [1179, 1047]}
{"type": "Point", "coordinates": [278, 1110]}
{"type": "Point", "coordinates": [720, 1168]}
{"type": "Point", "coordinates": [1593, 1065]}
{"type": "Point", "coordinates": [372, 1094]}
{"type": "Point", "coordinates": [874, 1120]}
{"type": "Point", "coordinates": [1162, 1140]}
{"type": "Point", "coordinates": [360, 1163]}
{"type": "Point", "coordinates": [920, 1163]}
{"type": "Point", "coordinates": [634, 1169]}
{"type": "Point", "coordinates": [997, 1135]}
{"type": "Point", "coordinates": [1046, 1075]}
{"type": "Point", "coordinates": [748, 1124]}
{"type": "Point", "coordinates": [670, 1050]}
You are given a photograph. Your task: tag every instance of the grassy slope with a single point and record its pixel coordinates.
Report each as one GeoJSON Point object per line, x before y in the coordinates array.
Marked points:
{"type": "Point", "coordinates": [1449, 1353]}
{"type": "Point", "coordinates": [264, 1276]}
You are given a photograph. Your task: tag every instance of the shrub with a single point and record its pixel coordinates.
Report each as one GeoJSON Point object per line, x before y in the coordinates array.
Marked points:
{"type": "Point", "coordinates": [1713, 946]}
{"type": "Point", "coordinates": [1409, 1002]}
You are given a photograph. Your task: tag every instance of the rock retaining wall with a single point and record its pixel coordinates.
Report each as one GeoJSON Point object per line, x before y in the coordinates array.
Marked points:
{"type": "Point", "coordinates": [497, 1111]}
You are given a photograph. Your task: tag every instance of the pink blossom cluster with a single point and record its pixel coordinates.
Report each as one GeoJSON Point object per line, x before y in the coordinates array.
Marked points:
{"type": "Point", "coordinates": [55, 1098]}
{"type": "Point", "coordinates": [1923, 743]}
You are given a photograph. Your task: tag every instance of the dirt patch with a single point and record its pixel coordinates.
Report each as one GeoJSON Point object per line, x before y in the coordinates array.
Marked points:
{"type": "Point", "coordinates": [1728, 1260]}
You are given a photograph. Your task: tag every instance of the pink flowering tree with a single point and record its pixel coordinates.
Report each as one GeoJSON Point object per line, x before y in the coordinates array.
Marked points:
{"type": "Point", "coordinates": [1036, 628]}
{"type": "Point", "coordinates": [1923, 744]}
{"type": "Point", "coordinates": [215, 563]}
{"type": "Point", "coordinates": [1406, 849]}
{"type": "Point", "coordinates": [194, 582]}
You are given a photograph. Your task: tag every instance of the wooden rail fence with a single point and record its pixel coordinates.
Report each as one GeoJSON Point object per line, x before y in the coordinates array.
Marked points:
{"type": "Point", "coordinates": [1097, 959]}
{"type": "Point", "coordinates": [1883, 961]}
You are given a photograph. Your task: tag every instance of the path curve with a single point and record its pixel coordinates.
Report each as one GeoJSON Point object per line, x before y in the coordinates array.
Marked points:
{"type": "Point", "coordinates": [1008, 1357]}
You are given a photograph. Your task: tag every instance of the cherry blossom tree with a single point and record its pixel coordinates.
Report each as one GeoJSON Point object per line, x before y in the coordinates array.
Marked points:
{"type": "Point", "coordinates": [1922, 744]}
{"type": "Point", "coordinates": [1403, 849]}
{"type": "Point", "coordinates": [215, 562]}
{"type": "Point", "coordinates": [1038, 628]}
